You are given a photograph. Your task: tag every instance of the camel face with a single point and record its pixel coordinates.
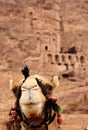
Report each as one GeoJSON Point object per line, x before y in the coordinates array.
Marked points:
{"type": "Point", "coordinates": [32, 99]}
{"type": "Point", "coordinates": [35, 105]}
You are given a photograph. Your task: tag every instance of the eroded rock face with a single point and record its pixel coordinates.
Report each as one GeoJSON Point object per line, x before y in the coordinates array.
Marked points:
{"type": "Point", "coordinates": [50, 36]}
{"type": "Point", "coordinates": [73, 97]}
{"type": "Point", "coordinates": [75, 24]}
{"type": "Point", "coordinates": [40, 32]}
{"type": "Point", "coordinates": [26, 29]}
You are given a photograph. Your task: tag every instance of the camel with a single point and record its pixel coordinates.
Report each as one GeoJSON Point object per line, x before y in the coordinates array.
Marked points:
{"type": "Point", "coordinates": [35, 106]}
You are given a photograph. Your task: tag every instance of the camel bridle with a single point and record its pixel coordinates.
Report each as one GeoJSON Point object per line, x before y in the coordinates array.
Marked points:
{"type": "Point", "coordinates": [50, 110]}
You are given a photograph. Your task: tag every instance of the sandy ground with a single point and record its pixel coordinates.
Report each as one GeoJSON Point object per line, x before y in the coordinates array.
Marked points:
{"type": "Point", "coordinates": [70, 121]}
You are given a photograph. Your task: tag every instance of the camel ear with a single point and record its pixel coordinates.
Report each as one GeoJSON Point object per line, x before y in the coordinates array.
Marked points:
{"type": "Point", "coordinates": [11, 84]}
{"type": "Point", "coordinates": [15, 86]}
{"type": "Point", "coordinates": [55, 81]}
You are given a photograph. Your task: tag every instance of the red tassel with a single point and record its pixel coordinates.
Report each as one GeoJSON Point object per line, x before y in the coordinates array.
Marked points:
{"type": "Point", "coordinates": [59, 121]}
{"type": "Point", "coordinates": [58, 115]}
{"type": "Point", "coordinates": [53, 99]}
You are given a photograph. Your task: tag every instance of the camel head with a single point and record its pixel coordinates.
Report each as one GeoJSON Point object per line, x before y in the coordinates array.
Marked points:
{"type": "Point", "coordinates": [32, 94]}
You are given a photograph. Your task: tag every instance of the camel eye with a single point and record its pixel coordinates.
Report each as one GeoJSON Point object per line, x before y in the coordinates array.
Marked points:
{"type": "Point", "coordinates": [35, 87]}
{"type": "Point", "coordinates": [23, 89]}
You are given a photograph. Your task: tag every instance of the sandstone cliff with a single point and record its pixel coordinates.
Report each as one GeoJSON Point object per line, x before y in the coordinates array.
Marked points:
{"type": "Point", "coordinates": [51, 36]}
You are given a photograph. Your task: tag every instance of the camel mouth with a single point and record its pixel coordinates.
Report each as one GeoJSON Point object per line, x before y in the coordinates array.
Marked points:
{"type": "Point", "coordinates": [33, 103]}
{"type": "Point", "coordinates": [31, 109]}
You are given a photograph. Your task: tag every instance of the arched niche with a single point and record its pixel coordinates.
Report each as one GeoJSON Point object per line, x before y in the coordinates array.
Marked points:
{"type": "Point", "coordinates": [50, 58]}
{"type": "Point", "coordinates": [56, 59]}
{"type": "Point", "coordinates": [82, 59]}
{"type": "Point", "coordinates": [69, 57]}
{"type": "Point", "coordinates": [67, 66]}
{"type": "Point", "coordinates": [63, 58]}
{"type": "Point", "coordinates": [46, 48]}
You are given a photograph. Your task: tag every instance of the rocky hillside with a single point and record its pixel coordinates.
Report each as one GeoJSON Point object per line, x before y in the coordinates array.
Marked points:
{"type": "Point", "coordinates": [17, 24]}
{"type": "Point", "coordinates": [75, 25]}
{"type": "Point", "coordinates": [73, 96]}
